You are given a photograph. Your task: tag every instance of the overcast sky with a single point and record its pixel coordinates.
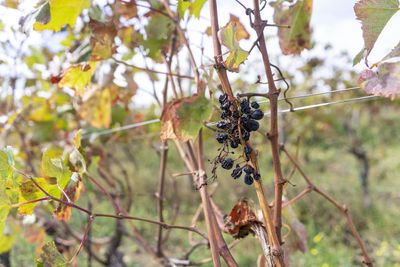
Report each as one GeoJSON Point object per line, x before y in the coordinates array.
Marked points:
{"type": "Point", "coordinates": [333, 22]}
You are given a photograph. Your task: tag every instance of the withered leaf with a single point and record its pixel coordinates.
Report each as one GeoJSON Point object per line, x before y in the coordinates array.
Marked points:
{"type": "Point", "coordinates": [241, 219]}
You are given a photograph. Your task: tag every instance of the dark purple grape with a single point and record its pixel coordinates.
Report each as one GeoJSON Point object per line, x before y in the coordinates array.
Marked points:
{"type": "Point", "coordinates": [244, 118]}
{"type": "Point", "coordinates": [245, 135]}
{"type": "Point", "coordinates": [226, 105]}
{"type": "Point", "coordinates": [247, 149]}
{"type": "Point", "coordinates": [234, 143]}
{"type": "Point", "coordinates": [257, 114]}
{"type": "Point", "coordinates": [246, 110]}
{"type": "Point", "coordinates": [236, 115]}
{"type": "Point", "coordinates": [237, 172]}
{"type": "Point", "coordinates": [221, 137]}
{"type": "Point", "coordinates": [257, 176]}
{"type": "Point", "coordinates": [222, 98]}
{"type": "Point", "coordinates": [248, 179]}
{"type": "Point", "coordinates": [252, 125]}
{"type": "Point", "coordinates": [222, 125]}
{"type": "Point", "coordinates": [226, 114]}
{"type": "Point", "coordinates": [255, 105]}
{"type": "Point", "coordinates": [227, 164]}
{"type": "Point", "coordinates": [248, 169]}
{"type": "Point", "coordinates": [244, 103]}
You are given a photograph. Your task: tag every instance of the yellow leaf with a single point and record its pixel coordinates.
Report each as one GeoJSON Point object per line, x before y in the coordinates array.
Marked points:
{"type": "Point", "coordinates": [230, 35]}
{"type": "Point", "coordinates": [78, 77]}
{"type": "Point", "coordinates": [63, 12]}
{"type": "Point", "coordinates": [97, 109]}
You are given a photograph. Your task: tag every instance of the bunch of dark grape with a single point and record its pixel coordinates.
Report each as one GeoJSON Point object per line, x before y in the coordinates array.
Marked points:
{"type": "Point", "coordinates": [238, 119]}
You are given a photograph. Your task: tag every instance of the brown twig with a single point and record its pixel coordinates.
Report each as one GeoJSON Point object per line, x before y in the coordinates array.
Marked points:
{"type": "Point", "coordinates": [208, 214]}
{"type": "Point", "coordinates": [160, 193]}
{"type": "Point", "coordinates": [343, 209]}
{"type": "Point", "coordinates": [273, 133]}
{"type": "Point", "coordinates": [186, 42]}
{"type": "Point", "coordinates": [150, 70]}
{"type": "Point", "coordinates": [304, 192]}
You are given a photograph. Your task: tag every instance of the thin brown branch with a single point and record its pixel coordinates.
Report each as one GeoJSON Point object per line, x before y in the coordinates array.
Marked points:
{"type": "Point", "coordinates": [163, 224]}
{"type": "Point", "coordinates": [160, 193]}
{"type": "Point", "coordinates": [304, 192]}
{"type": "Point", "coordinates": [223, 77]}
{"type": "Point", "coordinates": [151, 70]}
{"type": "Point", "coordinates": [273, 133]}
{"type": "Point", "coordinates": [186, 42]}
{"type": "Point", "coordinates": [343, 209]}
{"type": "Point", "coordinates": [207, 210]}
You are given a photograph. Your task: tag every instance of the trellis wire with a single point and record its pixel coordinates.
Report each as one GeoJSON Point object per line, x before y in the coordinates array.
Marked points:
{"type": "Point", "coordinates": [93, 135]}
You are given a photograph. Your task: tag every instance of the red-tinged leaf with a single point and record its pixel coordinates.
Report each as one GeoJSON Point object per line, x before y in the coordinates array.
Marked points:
{"type": "Point", "coordinates": [229, 36]}
{"type": "Point", "coordinates": [374, 14]}
{"type": "Point", "coordinates": [57, 78]}
{"type": "Point", "coordinates": [241, 219]}
{"type": "Point", "coordinates": [384, 82]}
{"type": "Point", "coordinates": [102, 40]}
{"type": "Point", "coordinates": [183, 118]}
{"type": "Point", "coordinates": [73, 190]}
{"type": "Point", "coordinates": [298, 36]}
{"type": "Point", "coordinates": [36, 235]}
{"type": "Point", "coordinates": [127, 9]}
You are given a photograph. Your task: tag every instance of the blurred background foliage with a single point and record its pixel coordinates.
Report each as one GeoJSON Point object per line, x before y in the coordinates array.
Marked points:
{"type": "Point", "coordinates": [350, 150]}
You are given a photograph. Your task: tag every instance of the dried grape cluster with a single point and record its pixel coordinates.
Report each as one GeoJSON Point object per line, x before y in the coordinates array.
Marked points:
{"type": "Point", "coordinates": [238, 119]}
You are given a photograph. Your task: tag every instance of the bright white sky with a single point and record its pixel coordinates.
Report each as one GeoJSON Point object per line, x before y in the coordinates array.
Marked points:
{"type": "Point", "coordinates": [333, 22]}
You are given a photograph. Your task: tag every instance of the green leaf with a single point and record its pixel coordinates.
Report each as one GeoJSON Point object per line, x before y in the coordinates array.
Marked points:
{"type": "Point", "coordinates": [194, 7]}
{"type": "Point", "coordinates": [6, 243]}
{"type": "Point", "coordinates": [51, 257]}
{"type": "Point", "coordinates": [182, 7]}
{"type": "Point", "coordinates": [183, 118]}
{"type": "Point", "coordinates": [359, 56]}
{"type": "Point", "coordinates": [229, 36]}
{"type": "Point", "coordinates": [158, 31]}
{"type": "Point", "coordinates": [78, 77]}
{"type": "Point", "coordinates": [192, 116]}
{"type": "Point", "coordinates": [4, 208]}
{"type": "Point", "coordinates": [5, 167]}
{"type": "Point", "coordinates": [53, 166]}
{"type": "Point", "coordinates": [61, 12]}
{"type": "Point", "coordinates": [374, 14]}
{"type": "Point", "coordinates": [384, 82]}
{"type": "Point", "coordinates": [10, 154]}
{"type": "Point", "coordinates": [77, 139]}
{"type": "Point", "coordinates": [28, 191]}
{"type": "Point", "coordinates": [77, 159]}
{"type": "Point", "coordinates": [297, 16]}
{"type": "Point", "coordinates": [44, 15]}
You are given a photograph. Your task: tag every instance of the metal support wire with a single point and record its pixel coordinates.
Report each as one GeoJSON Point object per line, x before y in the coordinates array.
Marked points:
{"type": "Point", "coordinates": [313, 94]}
{"type": "Point", "coordinates": [94, 135]}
